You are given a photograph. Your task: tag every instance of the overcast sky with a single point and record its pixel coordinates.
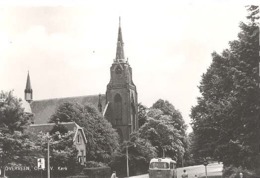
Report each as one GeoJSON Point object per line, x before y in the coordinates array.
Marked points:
{"type": "Point", "coordinates": [68, 48]}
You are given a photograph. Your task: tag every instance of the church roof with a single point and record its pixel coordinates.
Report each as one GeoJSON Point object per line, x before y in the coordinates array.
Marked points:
{"type": "Point", "coordinates": [44, 109]}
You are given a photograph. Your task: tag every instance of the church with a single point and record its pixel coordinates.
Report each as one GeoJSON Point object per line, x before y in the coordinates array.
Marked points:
{"type": "Point", "coordinates": [118, 105]}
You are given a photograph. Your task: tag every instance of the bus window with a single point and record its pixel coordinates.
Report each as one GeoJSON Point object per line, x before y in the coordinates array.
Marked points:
{"type": "Point", "coordinates": [171, 166]}
{"type": "Point", "coordinates": [159, 165]}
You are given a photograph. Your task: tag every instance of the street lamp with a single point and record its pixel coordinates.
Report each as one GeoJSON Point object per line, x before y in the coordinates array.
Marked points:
{"type": "Point", "coordinates": [48, 156]}
{"type": "Point", "coordinates": [205, 164]}
{"type": "Point", "coordinates": [127, 164]}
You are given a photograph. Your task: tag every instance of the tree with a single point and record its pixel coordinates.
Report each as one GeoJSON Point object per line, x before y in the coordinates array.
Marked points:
{"type": "Point", "coordinates": [142, 114]}
{"type": "Point", "coordinates": [12, 115]}
{"type": "Point", "coordinates": [175, 117]}
{"type": "Point", "coordinates": [15, 146]}
{"type": "Point", "coordinates": [190, 157]}
{"type": "Point", "coordinates": [226, 118]}
{"type": "Point", "coordinates": [166, 130]}
{"type": "Point", "coordinates": [140, 152]}
{"type": "Point", "coordinates": [102, 138]}
{"type": "Point", "coordinates": [63, 152]}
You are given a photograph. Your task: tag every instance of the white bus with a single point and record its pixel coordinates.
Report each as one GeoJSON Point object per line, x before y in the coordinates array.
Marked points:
{"type": "Point", "coordinates": [162, 168]}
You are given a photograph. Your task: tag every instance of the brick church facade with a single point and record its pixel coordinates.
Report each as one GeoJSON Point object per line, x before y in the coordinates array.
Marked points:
{"type": "Point", "coordinates": [119, 105]}
{"type": "Point", "coordinates": [121, 94]}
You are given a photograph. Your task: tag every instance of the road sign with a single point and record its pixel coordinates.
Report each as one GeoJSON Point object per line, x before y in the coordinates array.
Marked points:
{"type": "Point", "coordinates": [41, 163]}
{"type": "Point", "coordinates": [205, 163]}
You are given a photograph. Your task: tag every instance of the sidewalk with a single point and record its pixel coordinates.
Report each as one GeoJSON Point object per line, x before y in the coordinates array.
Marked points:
{"type": "Point", "coordinates": [139, 176]}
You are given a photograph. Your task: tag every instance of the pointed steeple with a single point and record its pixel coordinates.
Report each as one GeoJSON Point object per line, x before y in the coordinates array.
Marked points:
{"type": "Point", "coordinates": [28, 89]}
{"type": "Point", "coordinates": [120, 57]}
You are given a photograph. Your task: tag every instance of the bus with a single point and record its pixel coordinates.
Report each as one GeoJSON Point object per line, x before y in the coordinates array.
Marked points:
{"type": "Point", "coordinates": [162, 168]}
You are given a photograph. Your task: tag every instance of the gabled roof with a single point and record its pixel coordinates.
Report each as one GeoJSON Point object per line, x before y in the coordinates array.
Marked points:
{"type": "Point", "coordinates": [46, 128]}
{"type": "Point", "coordinates": [44, 109]}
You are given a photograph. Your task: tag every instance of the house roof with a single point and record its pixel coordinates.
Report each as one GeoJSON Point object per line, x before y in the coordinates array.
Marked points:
{"type": "Point", "coordinates": [47, 127]}
{"type": "Point", "coordinates": [44, 109]}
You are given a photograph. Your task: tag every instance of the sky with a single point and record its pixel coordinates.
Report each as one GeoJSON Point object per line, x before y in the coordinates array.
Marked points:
{"type": "Point", "coordinates": [69, 46]}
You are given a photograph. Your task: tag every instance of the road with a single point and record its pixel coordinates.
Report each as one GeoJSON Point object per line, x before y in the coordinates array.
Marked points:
{"type": "Point", "coordinates": [198, 170]}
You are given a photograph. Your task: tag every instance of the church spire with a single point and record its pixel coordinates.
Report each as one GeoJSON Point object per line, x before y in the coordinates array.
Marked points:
{"type": "Point", "coordinates": [120, 57]}
{"type": "Point", "coordinates": [28, 89]}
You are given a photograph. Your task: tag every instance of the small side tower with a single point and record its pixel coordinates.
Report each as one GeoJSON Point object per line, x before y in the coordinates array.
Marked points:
{"type": "Point", "coordinates": [28, 92]}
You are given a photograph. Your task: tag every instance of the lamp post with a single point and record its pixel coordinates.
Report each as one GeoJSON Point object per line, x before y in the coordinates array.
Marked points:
{"type": "Point", "coordinates": [127, 160]}
{"type": "Point", "coordinates": [205, 164]}
{"type": "Point", "coordinates": [48, 154]}
{"type": "Point", "coordinates": [127, 164]}
{"type": "Point", "coordinates": [48, 157]}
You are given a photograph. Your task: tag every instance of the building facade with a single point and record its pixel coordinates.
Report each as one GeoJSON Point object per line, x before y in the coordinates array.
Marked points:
{"type": "Point", "coordinates": [121, 94]}
{"type": "Point", "coordinates": [119, 105]}
{"type": "Point", "coordinates": [79, 138]}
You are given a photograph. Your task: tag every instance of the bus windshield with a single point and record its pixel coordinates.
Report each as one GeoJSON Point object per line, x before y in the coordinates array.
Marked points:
{"type": "Point", "coordinates": [159, 165]}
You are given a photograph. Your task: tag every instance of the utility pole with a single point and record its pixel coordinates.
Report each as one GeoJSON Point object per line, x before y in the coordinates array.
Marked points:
{"type": "Point", "coordinates": [127, 164]}
{"type": "Point", "coordinates": [48, 157]}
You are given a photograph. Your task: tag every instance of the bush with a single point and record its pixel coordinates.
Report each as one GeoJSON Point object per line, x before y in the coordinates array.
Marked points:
{"type": "Point", "coordinates": [233, 172]}
{"type": "Point", "coordinates": [98, 172]}
{"type": "Point", "coordinates": [93, 164]}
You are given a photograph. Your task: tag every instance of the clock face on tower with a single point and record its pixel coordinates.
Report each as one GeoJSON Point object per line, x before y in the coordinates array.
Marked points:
{"type": "Point", "coordinates": [118, 70]}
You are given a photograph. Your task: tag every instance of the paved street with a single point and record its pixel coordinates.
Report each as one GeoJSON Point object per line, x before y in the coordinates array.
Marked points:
{"type": "Point", "coordinates": [198, 170]}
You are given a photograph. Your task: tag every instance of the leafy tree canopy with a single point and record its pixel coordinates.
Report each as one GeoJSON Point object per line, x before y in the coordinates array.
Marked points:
{"type": "Point", "coordinates": [226, 118]}
{"type": "Point", "coordinates": [142, 114]}
{"type": "Point", "coordinates": [102, 138]}
{"type": "Point", "coordinates": [15, 145]}
{"type": "Point", "coordinates": [165, 130]}
{"type": "Point", "coordinates": [12, 115]}
{"type": "Point", "coordinates": [63, 152]}
{"type": "Point", "coordinates": [140, 152]}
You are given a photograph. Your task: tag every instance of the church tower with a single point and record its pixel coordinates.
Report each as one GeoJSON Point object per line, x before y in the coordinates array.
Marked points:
{"type": "Point", "coordinates": [28, 92]}
{"type": "Point", "coordinates": [121, 94]}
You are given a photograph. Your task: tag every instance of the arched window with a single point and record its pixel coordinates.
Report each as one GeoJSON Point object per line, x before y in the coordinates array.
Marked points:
{"type": "Point", "coordinates": [118, 107]}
